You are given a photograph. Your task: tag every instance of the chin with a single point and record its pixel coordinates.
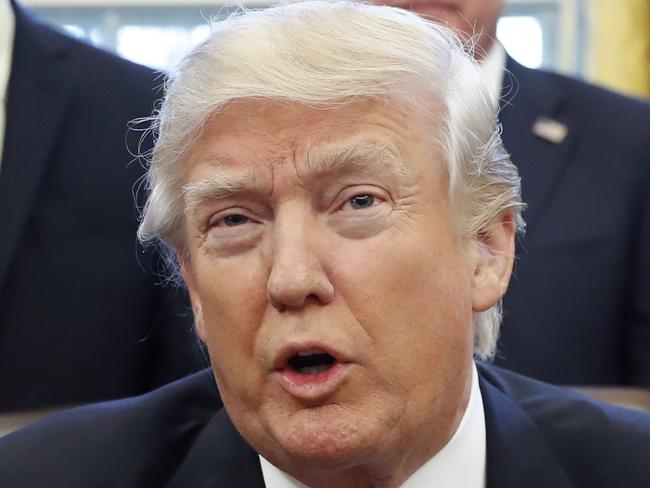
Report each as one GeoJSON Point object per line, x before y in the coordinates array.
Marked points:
{"type": "Point", "coordinates": [327, 436]}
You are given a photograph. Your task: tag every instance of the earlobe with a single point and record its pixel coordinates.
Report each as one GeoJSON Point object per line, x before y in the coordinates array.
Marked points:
{"type": "Point", "coordinates": [188, 277]}
{"type": "Point", "coordinates": [496, 248]}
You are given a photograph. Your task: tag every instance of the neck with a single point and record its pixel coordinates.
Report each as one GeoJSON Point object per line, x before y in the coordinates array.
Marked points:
{"type": "Point", "coordinates": [368, 476]}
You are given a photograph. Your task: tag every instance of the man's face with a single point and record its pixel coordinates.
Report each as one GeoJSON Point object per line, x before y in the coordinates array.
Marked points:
{"type": "Point", "coordinates": [328, 282]}
{"type": "Point", "coordinates": [468, 17]}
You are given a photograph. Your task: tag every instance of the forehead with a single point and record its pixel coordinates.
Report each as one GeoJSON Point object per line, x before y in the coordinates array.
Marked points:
{"type": "Point", "coordinates": [268, 134]}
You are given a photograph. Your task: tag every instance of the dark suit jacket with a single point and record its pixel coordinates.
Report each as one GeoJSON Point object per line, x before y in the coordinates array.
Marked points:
{"type": "Point", "coordinates": [538, 436]}
{"type": "Point", "coordinates": [578, 307]}
{"type": "Point", "coordinates": [80, 317]}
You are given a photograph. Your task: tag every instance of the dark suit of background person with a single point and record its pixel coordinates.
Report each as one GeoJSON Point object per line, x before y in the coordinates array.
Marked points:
{"type": "Point", "coordinates": [80, 317]}
{"type": "Point", "coordinates": [578, 307]}
{"type": "Point", "coordinates": [537, 436]}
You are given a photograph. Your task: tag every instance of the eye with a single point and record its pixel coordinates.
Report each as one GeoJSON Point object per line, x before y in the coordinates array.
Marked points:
{"type": "Point", "coordinates": [361, 201]}
{"type": "Point", "coordinates": [234, 220]}
{"type": "Point", "coordinates": [233, 229]}
{"type": "Point", "coordinates": [229, 220]}
{"type": "Point", "coordinates": [360, 211]}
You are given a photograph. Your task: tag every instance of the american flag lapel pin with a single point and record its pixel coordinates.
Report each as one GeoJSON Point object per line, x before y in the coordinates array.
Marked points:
{"type": "Point", "coordinates": [550, 130]}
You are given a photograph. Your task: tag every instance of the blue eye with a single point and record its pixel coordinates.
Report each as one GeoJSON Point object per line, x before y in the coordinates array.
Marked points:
{"type": "Point", "coordinates": [362, 201]}
{"type": "Point", "coordinates": [234, 220]}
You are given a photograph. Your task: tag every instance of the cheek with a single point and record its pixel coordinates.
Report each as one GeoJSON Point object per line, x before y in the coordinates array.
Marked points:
{"type": "Point", "coordinates": [230, 296]}
{"type": "Point", "coordinates": [415, 304]}
{"type": "Point", "coordinates": [233, 299]}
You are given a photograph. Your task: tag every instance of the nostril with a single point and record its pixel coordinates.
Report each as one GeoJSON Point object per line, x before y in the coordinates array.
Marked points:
{"type": "Point", "coordinates": [287, 301]}
{"type": "Point", "coordinates": [295, 287]}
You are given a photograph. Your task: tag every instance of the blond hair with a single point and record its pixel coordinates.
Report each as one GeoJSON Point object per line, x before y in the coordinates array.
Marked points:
{"type": "Point", "coordinates": [327, 54]}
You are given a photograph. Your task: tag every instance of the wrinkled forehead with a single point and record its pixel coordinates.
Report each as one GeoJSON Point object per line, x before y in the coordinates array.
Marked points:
{"type": "Point", "coordinates": [314, 138]}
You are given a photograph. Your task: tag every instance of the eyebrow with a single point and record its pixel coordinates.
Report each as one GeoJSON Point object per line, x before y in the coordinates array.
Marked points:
{"type": "Point", "coordinates": [215, 187]}
{"type": "Point", "coordinates": [371, 157]}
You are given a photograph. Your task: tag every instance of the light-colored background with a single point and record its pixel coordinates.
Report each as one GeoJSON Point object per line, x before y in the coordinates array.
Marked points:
{"type": "Point", "coordinates": [604, 41]}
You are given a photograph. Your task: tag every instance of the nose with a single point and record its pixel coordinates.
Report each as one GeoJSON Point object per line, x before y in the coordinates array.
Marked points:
{"type": "Point", "coordinates": [297, 276]}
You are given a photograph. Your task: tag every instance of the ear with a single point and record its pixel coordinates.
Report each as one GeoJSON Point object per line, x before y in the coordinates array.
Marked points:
{"type": "Point", "coordinates": [496, 250]}
{"type": "Point", "coordinates": [187, 273]}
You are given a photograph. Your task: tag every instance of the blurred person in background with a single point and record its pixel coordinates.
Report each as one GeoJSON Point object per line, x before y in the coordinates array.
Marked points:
{"type": "Point", "coordinates": [81, 316]}
{"type": "Point", "coordinates": [578, 307]}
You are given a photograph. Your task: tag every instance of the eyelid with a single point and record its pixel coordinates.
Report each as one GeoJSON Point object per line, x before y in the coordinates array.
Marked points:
{"type": "Point", "coordinates": [345, 195]}
{"type": "Point", "coordinates": [216, 217]}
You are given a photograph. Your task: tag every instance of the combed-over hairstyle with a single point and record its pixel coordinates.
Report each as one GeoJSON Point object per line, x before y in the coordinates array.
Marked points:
{"type": "Point", "coordinates": [326, 55]}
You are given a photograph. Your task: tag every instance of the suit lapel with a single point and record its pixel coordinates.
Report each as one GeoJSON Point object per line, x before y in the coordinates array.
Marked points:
{"type": "Point", "coordinates": [219, 457]}
{"type": "Point", "coordinates": [541, 162]}
{"type": "Point", "coordinates": [37, 96]}
{"type": "Point", "coordinates": [517, 452]}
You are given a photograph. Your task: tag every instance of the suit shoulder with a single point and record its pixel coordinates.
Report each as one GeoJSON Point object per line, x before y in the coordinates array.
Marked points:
{"type": "Point", "coordinates": [82, 59]}
{"type": "Point", "coordinates": [137, 441]}
{"type": "Point", "coordinates": [101, 63]}
{"type": "Point", "coordinates": [610, 443]}
{"type": "Point", "coordinates": [584, 95]}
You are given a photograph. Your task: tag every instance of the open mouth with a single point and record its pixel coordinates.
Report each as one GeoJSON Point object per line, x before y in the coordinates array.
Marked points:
{"type": "Point", "coordinates": [311, 362]}
{"type": "Point", "coordinates": [311, 373]}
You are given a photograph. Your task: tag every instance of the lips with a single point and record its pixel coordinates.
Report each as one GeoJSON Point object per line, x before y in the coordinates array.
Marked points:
{"type": "Point", "coordinates": [310, 371]}
{"type": "Point", "coordinates": [311, 362]}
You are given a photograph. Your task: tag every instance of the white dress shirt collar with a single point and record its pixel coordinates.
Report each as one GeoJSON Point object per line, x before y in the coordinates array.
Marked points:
{"type": "Point", "coordinates": [492, 68]}
{"type": "Point", "coordinates": [7, 26]}
{"type": "Point", "coordinates": [460, 464]}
